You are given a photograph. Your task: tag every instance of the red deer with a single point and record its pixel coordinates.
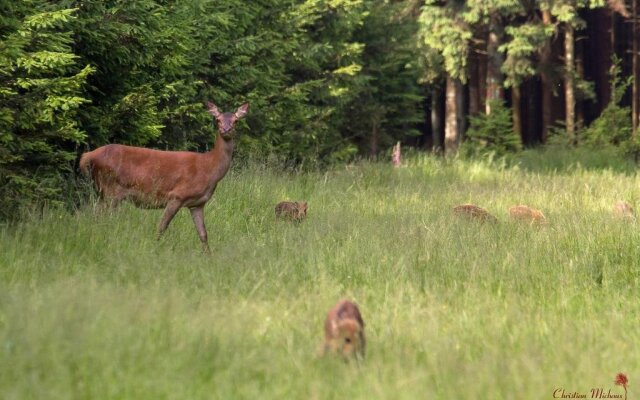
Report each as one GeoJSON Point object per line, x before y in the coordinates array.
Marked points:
{"type": "Point", "coordinates": [344, 330]}
{"type": "Point", "coordinates": [165, 179]}
{"type": "Point", "coordinates": [293, 210]}
{"type": "Point", "coordinates": [622, 209]}
{"type": "Point", "coordinates": [527, 214]}
{"type": "Point", "coordinates": [474, 212]}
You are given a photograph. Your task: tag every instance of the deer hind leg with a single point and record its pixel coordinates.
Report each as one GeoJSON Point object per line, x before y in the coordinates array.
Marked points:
{"type": "Point", "coordinates": [108, 199]}
{"type": "Point", "coordinates": [169, 212]}
{"type": "Point", "coordinates": [116, 196]}
{"type": "Point", "coordinates": [197, 213]}
{"type": "Point", "coordinates": [110, 191]}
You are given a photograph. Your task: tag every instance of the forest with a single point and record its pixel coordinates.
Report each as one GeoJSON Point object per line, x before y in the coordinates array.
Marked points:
{"type": "Point", "coordinates": [329, 81]}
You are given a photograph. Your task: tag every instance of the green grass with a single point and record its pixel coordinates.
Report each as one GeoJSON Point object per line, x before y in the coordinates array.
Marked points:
{"type": "Point", "coordinates": [92, 306]}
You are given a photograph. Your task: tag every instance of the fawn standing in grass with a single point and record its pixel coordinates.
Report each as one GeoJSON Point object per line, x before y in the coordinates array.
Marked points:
{"type": "Point", "coordinates": [344, 330]}
{"type": "Point", "coordinates": [527, 214]}
{"type": "Point", "coordinates": [165, 179]}
{"type": "Point", "coordinates": [292, 210]}
{"type": "Point", "coordinates": [474, 212]}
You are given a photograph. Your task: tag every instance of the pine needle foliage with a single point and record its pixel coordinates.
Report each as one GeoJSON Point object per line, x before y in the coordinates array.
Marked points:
{"type": "Point", "coordinates": [41, 91]}
{"type": "Point", "coordinates": [492, 133]}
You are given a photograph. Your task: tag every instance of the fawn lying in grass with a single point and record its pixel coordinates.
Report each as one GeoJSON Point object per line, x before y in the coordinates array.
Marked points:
{"type": "Point", "coordinates": [622, 209]}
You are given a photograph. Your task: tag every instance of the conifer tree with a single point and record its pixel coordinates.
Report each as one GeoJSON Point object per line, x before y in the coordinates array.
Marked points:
{"type": "Point", "coordinates": [41, 90]}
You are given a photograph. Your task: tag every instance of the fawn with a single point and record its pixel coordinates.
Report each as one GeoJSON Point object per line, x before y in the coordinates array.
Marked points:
{"type": "Point", "coordinates": [622, 209]}
{"type": "Point", "coordinates": [527, 214]}
{"type": "Point", "coordinates": [474, 212]}
{"type": "Point", "coordinates": [292, 210]}
{"type": "Point", "coordinates": [344, 330]}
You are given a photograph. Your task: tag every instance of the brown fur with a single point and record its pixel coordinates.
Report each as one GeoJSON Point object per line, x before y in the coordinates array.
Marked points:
{"type": "Point", "coordinates": [619, 7]}
{"type": "Point", "coordinates": [164, 179]}
{"type": "Point", "coordinates": [527, 214]}
{"type": "Point", "coordinates": [292, 210]}
{"type": "Point", "coordinates": [474, 212]}
{"type": "Point", "coordinates": [622, 209]}
{"type": "Point", "coordinates": [344, 331]}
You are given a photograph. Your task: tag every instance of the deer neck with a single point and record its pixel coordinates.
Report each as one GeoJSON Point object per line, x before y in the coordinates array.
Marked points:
{"type": "Point", "coordinates": [220, 157]}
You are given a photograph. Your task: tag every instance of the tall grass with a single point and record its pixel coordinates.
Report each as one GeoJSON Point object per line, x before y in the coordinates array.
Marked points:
{"type": "Point", "coordinates": [92, 306]}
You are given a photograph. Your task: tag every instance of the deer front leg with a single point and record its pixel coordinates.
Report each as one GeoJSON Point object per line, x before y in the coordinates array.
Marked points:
{"type": "Point", "coordinates": [197, 213]}
{"type": "Point", "coordinates": [169, 212]}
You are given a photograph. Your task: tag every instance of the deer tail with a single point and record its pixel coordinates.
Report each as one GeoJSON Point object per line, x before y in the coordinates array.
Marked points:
{"type": "Point", "coordinates": [85, 165]}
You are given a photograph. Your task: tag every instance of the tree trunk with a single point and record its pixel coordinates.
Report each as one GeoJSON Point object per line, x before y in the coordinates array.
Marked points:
{"type": "Point", "coordinates": [462, 98]}
{"type": "Point", "coordinates": [533, 111]}
{"type": "Point", "coordinates": [495, 91]}
{"type": "Point", "coordinates": [452, 116]}
{"type": "Point", "coordinates": [437, 116]}
{"type": "Point", "coordinates": [602, 62]}
{"type": "Point", "coordinates": [482, 81]}
{"type": "Point", "coordinates": [474, 77]}
{"type": "Point", "coordinates": [634, 66]}
{"type": "Point", "coordinates": [374, 138]}
{"type": "Point", "coordinates": [612, 40]}
{"type": "Point", "coordinates": [579, 65]}
{"type": "Point", "coordinates": [516, 110]}
{"type": "Point", "coordinates": [569, 84]}
{"type": "Point", "coordinates": [545, 77]}
{"type": "Point", "coordinates": [427, 135]}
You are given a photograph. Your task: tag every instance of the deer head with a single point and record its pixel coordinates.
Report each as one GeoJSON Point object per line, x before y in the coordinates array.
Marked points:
{"type": "Point", "coordinates": [226, 121]}
{"type": "Point", "coordinates": [302, 209]}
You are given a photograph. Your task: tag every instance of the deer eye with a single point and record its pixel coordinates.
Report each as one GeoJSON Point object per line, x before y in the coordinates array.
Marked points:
{"type": "Point", "coordinates": [347, 340]}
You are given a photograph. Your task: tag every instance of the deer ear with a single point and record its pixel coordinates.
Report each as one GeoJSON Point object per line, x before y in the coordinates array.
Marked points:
{"type": "Point", "coordinates": [213, 110]}
{"type": "Point", "coordinates": [242, 110]}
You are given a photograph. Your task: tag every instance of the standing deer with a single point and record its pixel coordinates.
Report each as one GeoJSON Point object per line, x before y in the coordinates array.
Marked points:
{"type": "Point", "coordinates": [293, 210]}
{"type": "Point", "coordinates": [344, 331]}
{"type": "Point", "coordinates": [165, 179]}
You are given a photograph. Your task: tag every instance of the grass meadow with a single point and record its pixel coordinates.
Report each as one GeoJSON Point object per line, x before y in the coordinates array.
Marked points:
{"type": "Point", "coordinates": [93, 307]}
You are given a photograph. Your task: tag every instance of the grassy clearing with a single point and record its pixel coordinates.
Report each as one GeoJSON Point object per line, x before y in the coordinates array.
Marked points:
{"type": "Point", "coordinates": [91, 306]}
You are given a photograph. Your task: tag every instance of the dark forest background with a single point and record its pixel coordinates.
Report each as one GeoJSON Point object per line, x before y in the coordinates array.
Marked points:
{"type": "Point", "coordinates": [327, 81]}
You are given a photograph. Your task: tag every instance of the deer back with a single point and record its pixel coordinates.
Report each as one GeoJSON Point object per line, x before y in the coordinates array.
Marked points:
{"type": "Point", "coordinates": [151, 174]}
